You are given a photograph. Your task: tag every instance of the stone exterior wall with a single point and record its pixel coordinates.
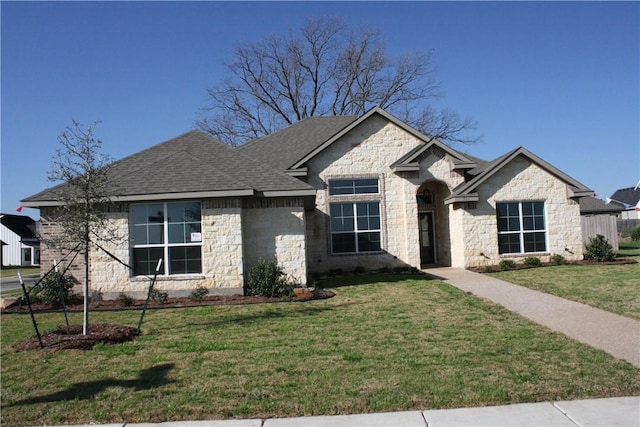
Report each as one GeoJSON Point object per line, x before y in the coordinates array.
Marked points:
{"type": "Point", "coordinates": [222, 255]}
{"type": "Point", "coordinates": [475, 227]}
{"type": "Point", "coordinates": [368, 151]}
{"type": "Point", "coordinates": [275, 229]}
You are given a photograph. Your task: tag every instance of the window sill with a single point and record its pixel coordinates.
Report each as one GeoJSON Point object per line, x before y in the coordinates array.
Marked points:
{"type": "Point", "coordinates": [169, 278]}
{"type": "Point", "coordinates": [358, 253]}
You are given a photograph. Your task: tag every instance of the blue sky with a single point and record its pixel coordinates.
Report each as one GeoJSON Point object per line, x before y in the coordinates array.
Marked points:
{"type": "Point", "coordinates": [559, 78]}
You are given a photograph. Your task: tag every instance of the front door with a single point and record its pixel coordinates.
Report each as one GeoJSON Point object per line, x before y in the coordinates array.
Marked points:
{"type": "Point", "coordinates": [427, 242]}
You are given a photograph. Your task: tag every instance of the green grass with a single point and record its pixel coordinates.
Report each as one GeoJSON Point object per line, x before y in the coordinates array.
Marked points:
{"type": "Point", "coordinates": [402, 343]}
{"type": "Point", "coordinates": [13, 271]}
{"type": "Point", "coordinates": [628, 248]}
{"type": "Point", "coordinates": [615, 288]}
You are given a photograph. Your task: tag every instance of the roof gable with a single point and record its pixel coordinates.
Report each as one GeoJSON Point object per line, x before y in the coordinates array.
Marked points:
{"type": "Point", "coordinates": [467, 191]}
{"type": "Point", "coordinates": [299, 165]}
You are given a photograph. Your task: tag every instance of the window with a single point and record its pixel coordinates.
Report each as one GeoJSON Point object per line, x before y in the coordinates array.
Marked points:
{"type": "Point", "coordinates": [353, 186]}
{"type": "Point", "coordinates": [26, 255]}
{"type": "Point", "coordinates": [521, 227]}
{"type": "Point", "coordinates": [355, 227]}
{"type": "Point", "coordinates": [171, 231]}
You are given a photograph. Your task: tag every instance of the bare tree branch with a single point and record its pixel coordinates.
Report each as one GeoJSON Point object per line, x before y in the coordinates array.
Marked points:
{"type": "Point", "coordinates": [324, 68]}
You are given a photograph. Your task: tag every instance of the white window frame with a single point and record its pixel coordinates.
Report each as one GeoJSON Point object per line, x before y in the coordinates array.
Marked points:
{"type": "Point", "coordinates": [521, 232]}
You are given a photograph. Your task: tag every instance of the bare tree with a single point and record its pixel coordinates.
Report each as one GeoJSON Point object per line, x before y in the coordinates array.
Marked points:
{"type": "Point", "coordinates": [84, 196]}
{"type": "Point", "coordinates": [326, 68]}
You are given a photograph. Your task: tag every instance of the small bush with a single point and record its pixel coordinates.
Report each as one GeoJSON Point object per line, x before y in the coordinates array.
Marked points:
{"type": "Point", "coordinates": [160, 296]}
{"type": "Point", "coordinates": [532, 261]}
{"type": "Point", "coordinates": [268, 280]}
{"type": "Point", "coordinates": [55, 289]}
{"type": "Point", "coordinates": [507, 264]}
{"type": "Point", "coordinates": [598, 249]}
{"type": "Point", "coordinates": [488, 269]}
{"type": "Point", "coordinates": [635, 233]}
{"type": "Point", "coordinates": [199, 293]}
{"type": "Point", "coordinates": [558, 259]}
{"type": "Point", "coordinates": [125, 300]}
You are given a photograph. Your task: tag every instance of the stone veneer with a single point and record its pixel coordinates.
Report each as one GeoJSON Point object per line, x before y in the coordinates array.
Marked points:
{"type": "Point", "coordinates": [368, 151]}
{"type": "Point", "coordinates": [235, 234]}
{"type": "Point", "coordinates": [474, 229]}
{"type": "Point", "coordinates": [275, 229]}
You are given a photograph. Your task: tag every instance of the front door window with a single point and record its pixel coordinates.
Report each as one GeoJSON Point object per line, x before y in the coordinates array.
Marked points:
{"type": "Point", "coordinates": [427, 243]}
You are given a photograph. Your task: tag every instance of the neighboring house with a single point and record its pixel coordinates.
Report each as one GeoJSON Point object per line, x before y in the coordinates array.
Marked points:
{"type": "Point", "coordinates": [20, 244]}
{"type": "Point", "coordinates": [629, 200]}
{"type": "Point", "coordinates": [601, 218]}
{"type": "Point", "coordinates": [326, 193]}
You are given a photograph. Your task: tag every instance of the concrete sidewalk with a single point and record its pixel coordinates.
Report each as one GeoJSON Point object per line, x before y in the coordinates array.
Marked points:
{"type": "Point", "coordinates": [617, 335]}
{"type": "Point", "coordinates": [611, 412]}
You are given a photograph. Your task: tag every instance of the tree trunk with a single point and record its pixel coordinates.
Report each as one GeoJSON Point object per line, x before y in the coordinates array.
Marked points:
{"type": "Point", "coordinates": [85, 312]}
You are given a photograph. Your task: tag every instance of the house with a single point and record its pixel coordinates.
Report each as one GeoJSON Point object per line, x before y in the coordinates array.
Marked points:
{"type": "Point", "coordinates": [20, 244]}
{"type": "Point", "coordinates": [323, 194]}
{"type": "Point", "coordinates": [629, 200]}
{"type": "Point", "coordinates": [601, 218]}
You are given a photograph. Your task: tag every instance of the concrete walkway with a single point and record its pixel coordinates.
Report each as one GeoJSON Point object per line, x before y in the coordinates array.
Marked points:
{"type": "Point", "coordinates": [617, 335]}
{"type": "Point", "coordinates": [611, 412]}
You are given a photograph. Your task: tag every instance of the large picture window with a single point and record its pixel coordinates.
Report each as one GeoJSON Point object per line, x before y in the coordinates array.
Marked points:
{"type": "Point", "coordinates": [355, 227]}
{"type": "Point", "coordinates": [171, 231]}
{"type": "Point", "coordinates": [521, 227]}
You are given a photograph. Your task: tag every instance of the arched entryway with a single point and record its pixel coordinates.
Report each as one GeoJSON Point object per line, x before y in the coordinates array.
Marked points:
{"type": "Point", "coordinates": [433, 224]}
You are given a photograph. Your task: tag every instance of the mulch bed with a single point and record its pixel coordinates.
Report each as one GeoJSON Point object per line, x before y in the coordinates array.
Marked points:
{"type": "Point", "coordinates": [71, 337]}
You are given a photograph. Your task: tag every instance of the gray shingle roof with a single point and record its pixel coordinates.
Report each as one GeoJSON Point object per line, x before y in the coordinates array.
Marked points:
{"type": "Point", "coordinates": [629, 196]}
{"type": "Point", "coordinates": [285, 147]}
{"type": "Point", "coordinates": [591, 205]}
{"type": "Point", "coordinates": [190, 163]}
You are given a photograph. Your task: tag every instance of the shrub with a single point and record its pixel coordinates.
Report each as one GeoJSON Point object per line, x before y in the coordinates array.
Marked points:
{"type": "Point", "coordinates": [598, 249]}
{"type": "Point", "coordinates": [488, 269]}
{"type": "Point", "coordinates": [160, 296]}
{"type": "Point", "coordinates": [267, 279]}
{"type": "Point", "coordinates": [635, 233]}
{"type": "Point", "coordinates": [532, 261]}
{"type": "Point", "coordinates": [198, 293]}
{"type": "Point", "coordinates": [557, 259]}
{"type": "Point", "coordinates": [125, 299]}
{"type": "Point", "coordinates": [507, 264]}
{"type": "Point", "coordinates": [55, 289]}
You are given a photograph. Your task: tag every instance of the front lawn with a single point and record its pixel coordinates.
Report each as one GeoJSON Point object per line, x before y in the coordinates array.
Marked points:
{"type": "Point", "coordinates": [615, 288]}
{"type": "Point", "coordinates": [13, 271]}
{"type": "Point", "coordinates": [398, 343]}
{"type": "Point", "coordinates": [628, 248]}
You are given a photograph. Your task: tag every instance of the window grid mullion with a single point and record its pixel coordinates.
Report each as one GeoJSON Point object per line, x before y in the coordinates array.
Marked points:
{"type": "Point", "coordinates": [165, 235]}
{"type": "Point", "coordinates": [521, 223]}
